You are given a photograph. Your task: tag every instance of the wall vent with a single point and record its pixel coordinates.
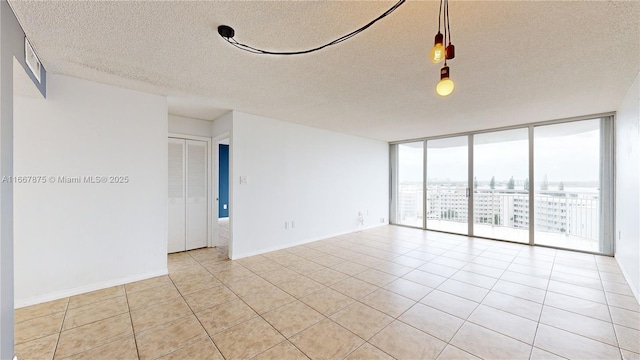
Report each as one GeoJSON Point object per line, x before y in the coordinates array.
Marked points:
{"type": "Point", "coordinates": [32, 59]}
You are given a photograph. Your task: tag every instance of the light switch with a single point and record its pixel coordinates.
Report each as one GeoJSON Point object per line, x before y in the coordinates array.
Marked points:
{"type": "Point", "coordinates": [224, 206]}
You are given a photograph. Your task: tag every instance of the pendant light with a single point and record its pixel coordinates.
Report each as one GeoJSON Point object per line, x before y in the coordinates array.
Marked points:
{"type": "Point", "coordinates": [445, 86]}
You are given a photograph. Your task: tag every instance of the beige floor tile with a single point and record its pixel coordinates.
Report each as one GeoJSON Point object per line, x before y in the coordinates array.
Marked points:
{"type": "Point", "coordinates": [326, 340]}
{"type": "Point", "coordinates": [394, 268]}
{"type": "Point", "coordinates": [464, 290]}
{"type": "Point", "coordinates": [577, 291]}
{"type": "Point", "coordinates": [207, 298]}
{"type": "Point", "coordinates": [86, 337]}
{"type": "Point", "coordinates": [123, 348]}
{"type": "Point", "coordinates": [629, 339]}
{"type": "Point", "coordinates": [447, 261]}
{"type": "Point", "coordinates": [301, 287]}
{"type": "Point", "coordinates": [196, 283]}
{"type": "Point", "coordinates": [38, 349]}
{"type": "Point", "coordinates": [629, 355]}
{"type": "Point", "coordinates": [497, 264]}
{"type": "Point", "coordinates": [402, 341]}
{"type": "Point", "coordinates": [441, 270]}
{"type": "Point", "coordinates": [280, 276]}
{"type": "Point", "coordinates": [622, 289]}
{"type": "Point", "coordinates": [432, 321]}
{"type": "Point", "coordinates": [488, 344]}
{"type": "Point", "coordinates": [328, 260]}
{"type": "Point", "coordinates": [158, 314]}
{"type": "Point", "coordinates": [514, 305]}
{"type": "Point", "coordinates": [453, 353]}
{"type": "Point", "coordinates": [362, 320]}
{"type": "Point", "coordinates": [148, 284]}
{"type": "Point", "coordinates": [539, 354]}
{"type": "Point", "coordinates": [578, 280]}
{"type": "Point", "coordinates": [224, 316]}
{"type": "Point", "coordinates": [268, 300]}
{"type": "Point", "coordinates": [368, 352]}
{"type": "Point", "coordinates": [483, 270]}
{"type": "Point", "coordinates": [579, 324]}
{"type": "Point", "coordinates": [247, 339]}
{"type": "Point", "coordinates": [292, 318]}
{"type": "Point", "coordinates": [625, 317]}
{"type": "Point", "coordinates": [327, 276]}
{"type": "Point", "coordinates": [613, 278]}
{"type": "Point", "coordinates": [169, 337]}
{"type": "Point", "coordinates": [305, 266]}
{"type": "Point", "coordinates": [579, 306]}
{"type": "Point", "coordinates": [388, 302]}
{"type": "Point", "coordinates": [467, 277]}
{"type": "Point", "coordinates": [572, 346]}
{"type": "Point", "coordinates": [95, 296]}
{"type": "Point", "coordinates": [283, 351]}
{"type": "Point", "coordinates": [425, 278]}
{"type": "Point", "coordinates": [232, 273]}
{"type": "Point", "coordinates": [349, 268]}
{"type": "Point", "coordinates": [30, 312]}
{"type": "Point", "coordinates": [408, 261]}
{"type": "Point", "coordinates": [200, 350]}
{"type": "Point", "coordinates": [505, 323]}
{"type": "Point", "coordinates": [408, 289]}
{"type": "Point", "coordinates": [524, 279]}
{"type": "Point", "coordinates": [188, 273]}
{"type": "Point", "coordinates": [450, 304]}
{"type": "Point", "coordinates": [354, 288]}
{"type": "Point", "coordinates": [327, 301]}
{"type": "Point", "coordinates": [375, 277]}
{"type": "Point", "coordinates": [151, 296]}
{"type": "Point", "coordinates": [623, 301]}
{"type": "Point", "coordinates": [568, 269]}
{"type": "Point", "coordinates": [248, 285]}
{"type": "Point", "coordinates": [93, 312]}
{"type": "Point", "coordinates": [38, 327]}
{"type": "Point", "coordinates": [521, 291]}
{"type": "Point", "coordinates": [263, 266]}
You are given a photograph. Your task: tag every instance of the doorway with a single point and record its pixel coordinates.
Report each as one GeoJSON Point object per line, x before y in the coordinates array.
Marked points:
{"type": "Point", "coordinates": [223, 218]}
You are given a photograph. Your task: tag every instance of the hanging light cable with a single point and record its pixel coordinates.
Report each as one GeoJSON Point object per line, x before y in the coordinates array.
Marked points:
{"type": "Point", "coordinates": [437, 53]}
{"type": "Point", "coordinates": [228, 33]}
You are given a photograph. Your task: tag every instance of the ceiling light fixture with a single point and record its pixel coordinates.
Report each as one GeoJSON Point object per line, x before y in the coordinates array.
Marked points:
{"type": "Point", "coordinates": [445, 85]}
{"type": "Point", "coordinates": [438, 53]}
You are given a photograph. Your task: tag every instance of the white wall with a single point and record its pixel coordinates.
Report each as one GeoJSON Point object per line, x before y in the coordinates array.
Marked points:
{"type": "Point", "coordinates": [72, 238]}
{"type": "Point", "coordinates": [628, 186]}
{"type": "Point", "coordinates": [317, 178]}
{"type": "Point", "coordinates": [188, 126]}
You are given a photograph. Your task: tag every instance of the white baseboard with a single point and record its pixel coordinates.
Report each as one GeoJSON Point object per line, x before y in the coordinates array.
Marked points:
{"type": "Point", "coordinates": [634, 289]}
{"type": "Point", "coordinates": [300, 242]}
{"type": "Point", "coordinates": [19, 303]}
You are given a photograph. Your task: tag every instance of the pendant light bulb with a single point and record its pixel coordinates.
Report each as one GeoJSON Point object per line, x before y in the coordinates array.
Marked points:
{"type": "Point", "coordinates": [445, 85]}
{"type": "Point", "coordinates": [438, 52]}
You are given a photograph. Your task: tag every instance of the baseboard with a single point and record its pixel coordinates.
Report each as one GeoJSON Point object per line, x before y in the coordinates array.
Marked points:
{"type": "Point", "coordinates": [19, 303]}
{"type": "Point", "coordinates": [299, 242]}
{"type": "Point", "coordinates": [634, 289]}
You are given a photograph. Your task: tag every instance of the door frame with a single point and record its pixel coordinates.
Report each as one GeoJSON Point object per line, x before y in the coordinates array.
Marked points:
{"type": "Point", "coordinates": [215, 164]}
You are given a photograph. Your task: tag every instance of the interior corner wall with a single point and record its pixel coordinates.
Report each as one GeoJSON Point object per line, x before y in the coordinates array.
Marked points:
{"type": "Point", "coordinates": [72, 237]}
{"type": "Point", "coordinates": [628, 186]}
{"type": "Point", "coordinates": [188, 126]}
{"type": "Point", "coordinates": [314, 181]}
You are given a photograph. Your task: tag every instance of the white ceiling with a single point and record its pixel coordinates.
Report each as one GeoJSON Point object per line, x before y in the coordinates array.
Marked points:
{"type": "Point", "coordinates": [516, 61]}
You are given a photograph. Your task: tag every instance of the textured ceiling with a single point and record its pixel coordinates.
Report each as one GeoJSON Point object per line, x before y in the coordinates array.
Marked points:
{"type": "Point", "coordinates": [516, 61]}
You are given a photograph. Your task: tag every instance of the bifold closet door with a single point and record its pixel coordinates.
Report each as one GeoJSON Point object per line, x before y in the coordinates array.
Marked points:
{"type": "Point", "coordinates": [177, 195]}
{"type": "Point", "coordinates": [196, 210]}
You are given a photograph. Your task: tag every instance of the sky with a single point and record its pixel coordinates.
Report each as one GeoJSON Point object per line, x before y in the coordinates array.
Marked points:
{"type": "Point", "coordinates": [560, 153]}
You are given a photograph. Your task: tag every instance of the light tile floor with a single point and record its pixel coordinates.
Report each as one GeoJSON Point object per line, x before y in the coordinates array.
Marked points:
{"type": "Point", "coordinates": [389, 292]}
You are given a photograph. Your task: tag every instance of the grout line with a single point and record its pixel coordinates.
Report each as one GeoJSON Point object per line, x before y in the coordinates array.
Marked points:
{"type": "Point", "coordinates": [55, 349]}
{"type": "Point", "coordinates": [135, 338]}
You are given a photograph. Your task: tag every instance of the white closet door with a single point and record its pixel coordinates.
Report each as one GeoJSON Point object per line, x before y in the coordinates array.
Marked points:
{"type": "Point", "coordinates": [177, 193]}
{"type": "Point", "coordinates": [196, 194]}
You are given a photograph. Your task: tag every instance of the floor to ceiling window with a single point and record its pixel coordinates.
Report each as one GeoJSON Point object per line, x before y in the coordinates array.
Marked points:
{"type": "Point", "coordinates": [547, 184]}
{"type": "Point", "coordinates": [447, 185]}
{"type": "Point", "coordinates": [501, 185]}
{"type": "Point", "coordinates": [409, 198]}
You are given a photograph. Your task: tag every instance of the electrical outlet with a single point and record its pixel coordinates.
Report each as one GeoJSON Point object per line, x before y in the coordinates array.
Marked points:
{"type": "Point", "coordinates": [293, 224]}
{"type": "Point", "coordinates": [286, 225]}
{"type": "Point", "coordinates": [382, 220]}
